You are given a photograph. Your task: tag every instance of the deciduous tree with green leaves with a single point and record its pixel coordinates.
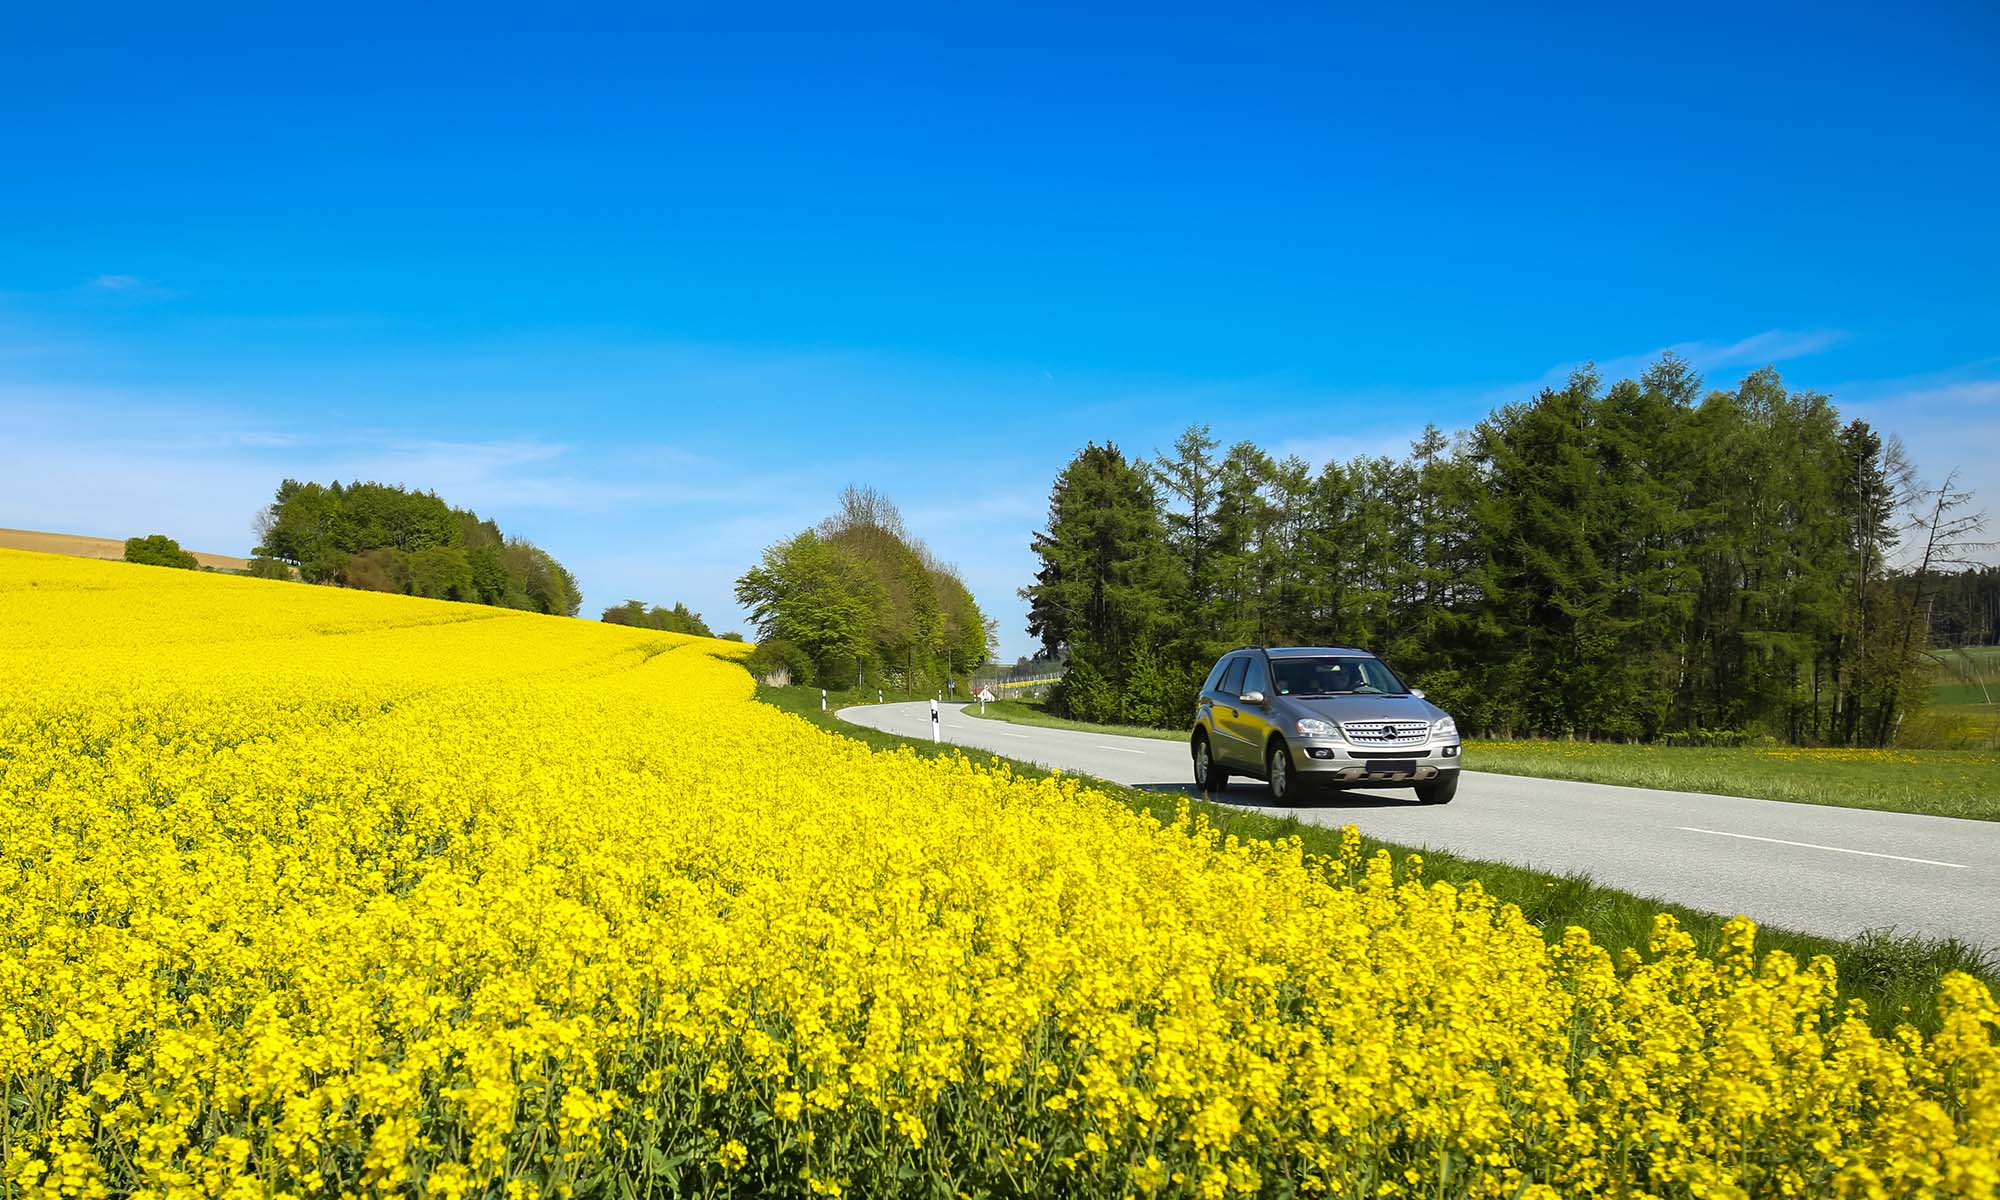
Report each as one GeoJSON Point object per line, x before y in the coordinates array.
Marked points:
{"type": "Point", "coordinates": [678, 619]}
{"type": "Point", "coordinates": [864, 600]}
{"type": "Point", "coordinates": [159, 550]}
{"type": "Point", "coordinates": [388, 538]}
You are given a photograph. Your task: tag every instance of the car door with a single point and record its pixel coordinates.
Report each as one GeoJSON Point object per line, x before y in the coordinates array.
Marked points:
{"type": "Point", "coordinates": [1226, 716]}
{"type": "Point", "coordinates": [1253, 726]}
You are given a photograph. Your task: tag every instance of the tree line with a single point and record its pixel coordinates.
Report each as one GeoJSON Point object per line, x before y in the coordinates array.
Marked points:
{"type": "Point", "coordinates": [678, 619]}
{"type": "Point", "coordinates": [1967, 611]}
{"type": "Point", "coordinates": [857, 601]}
{"type": "Point", "coordinates": [385, 538]}
{"type": "Point", "coordinates": [1641, 561]}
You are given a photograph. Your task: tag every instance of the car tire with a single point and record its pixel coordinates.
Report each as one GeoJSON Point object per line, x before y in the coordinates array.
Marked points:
{"type": "Point", "coordinates": [1208, 774]}
{"type": "Point", "coordinates": [1439, 790]}
{"type": "Point", "coordinates": [1278, 772]}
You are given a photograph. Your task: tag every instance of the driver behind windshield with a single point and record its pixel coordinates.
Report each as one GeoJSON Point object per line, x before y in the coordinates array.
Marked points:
{"type": "Point", "coordinates": [1327, 677]}
{"type": "Point", "coordinates": [1312, 676]}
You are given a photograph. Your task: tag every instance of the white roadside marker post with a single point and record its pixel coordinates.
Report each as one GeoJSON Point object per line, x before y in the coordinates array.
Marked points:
{"type": "Point", "coordinates": [822, 699]}
{"type": "Point", "coordinates": [878, 695]}
{"type": "Point", "coordinates": [935, 737]}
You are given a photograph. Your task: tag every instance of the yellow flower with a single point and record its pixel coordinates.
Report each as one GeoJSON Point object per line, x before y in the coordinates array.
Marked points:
{"type": "Point", "coordinates": [310, 892]}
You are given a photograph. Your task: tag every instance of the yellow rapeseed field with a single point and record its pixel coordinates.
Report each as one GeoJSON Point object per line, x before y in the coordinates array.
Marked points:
{"type": "Point", "coordinates": [305, 892]}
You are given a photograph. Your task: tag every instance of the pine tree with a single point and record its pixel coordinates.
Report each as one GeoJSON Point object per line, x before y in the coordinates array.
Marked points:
{"type": "Point", "coordinates": [1105, 593]}
{"type": "Point", "coordinates": [1189, 486]}
{"type": "Point", "coordinates": [1550, 629]}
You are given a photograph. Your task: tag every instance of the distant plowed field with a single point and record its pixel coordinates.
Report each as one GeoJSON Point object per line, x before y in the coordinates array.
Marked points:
{"type": "Point", "coordinates": [82, 546]}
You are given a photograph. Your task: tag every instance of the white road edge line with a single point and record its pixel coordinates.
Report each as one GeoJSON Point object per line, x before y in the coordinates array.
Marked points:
{"type": "Point", "coordinates": [1120, 749]}
{"type": "Point", "coordinates": [1751, 837]}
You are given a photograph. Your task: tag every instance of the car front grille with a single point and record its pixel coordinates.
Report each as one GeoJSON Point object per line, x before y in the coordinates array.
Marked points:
{"type": "Point", "coordinates": [1385, 733]}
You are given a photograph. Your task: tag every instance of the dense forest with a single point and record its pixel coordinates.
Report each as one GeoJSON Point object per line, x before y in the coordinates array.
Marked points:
{"type": "Point", "coordinates": [391, 539]}
{"type": "Point", "coordinates": [1967, 609]}
{"type": "Point", "coordinates": [858, 601]}
{"type": "Point", "coordinates": [1633, 562]}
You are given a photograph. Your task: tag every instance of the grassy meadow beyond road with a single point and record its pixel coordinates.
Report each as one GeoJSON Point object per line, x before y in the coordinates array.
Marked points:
{"type": "Point", "coordinates": [1943, 783]}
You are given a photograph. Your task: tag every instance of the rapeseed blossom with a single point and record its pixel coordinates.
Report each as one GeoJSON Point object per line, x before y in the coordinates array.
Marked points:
{"type": "Point", "coordinates": [309, 892]}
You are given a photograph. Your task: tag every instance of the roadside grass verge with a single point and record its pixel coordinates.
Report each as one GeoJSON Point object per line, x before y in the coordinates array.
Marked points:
{"type": "Point", "coordinates": [1945, 783]}
{"type": "Point", "coordinates": [1896, 976]}
{"type": "Point", "coordinates": [1028, 712]}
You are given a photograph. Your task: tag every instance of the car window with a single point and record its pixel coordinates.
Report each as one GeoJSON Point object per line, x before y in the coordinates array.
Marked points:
{"type": "Point", "coordinates": [1232, 679]}
{"type": "Point", "coordinates": [1313, 676]}
{"type": "Point", "coordinates": [1215, 673]}
{"type": "Point", "coordinates": [1334, 677]}
{"type": "Point", "coordinates": [1376, 677]}
{"type": "Point", "coordinates": [1255, 681]}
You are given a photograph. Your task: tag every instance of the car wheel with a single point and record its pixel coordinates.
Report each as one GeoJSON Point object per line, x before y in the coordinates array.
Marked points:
{"type": "Point", "coordinates": [1439, 790]}
{"type": "Point", "coordinates": [1208, 776]}
{"type": "Point", "coordinates": [1278, 770]}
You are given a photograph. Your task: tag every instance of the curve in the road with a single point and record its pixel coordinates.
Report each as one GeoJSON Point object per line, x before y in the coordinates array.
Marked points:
{"type": "Point", "coordinates": [1814, 868]}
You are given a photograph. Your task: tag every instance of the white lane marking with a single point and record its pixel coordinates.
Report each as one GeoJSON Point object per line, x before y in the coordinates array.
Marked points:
{"type": "Point", "coordinates": [1120, 749]}
{"type": "Point", "coordinates": [1751, 837]}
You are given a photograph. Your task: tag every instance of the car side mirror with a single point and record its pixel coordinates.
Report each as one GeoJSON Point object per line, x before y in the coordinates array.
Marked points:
{"type": "Point", "coordinates": [1252, 697]}
{"type": "Point", "coordinates": [1417, 692]}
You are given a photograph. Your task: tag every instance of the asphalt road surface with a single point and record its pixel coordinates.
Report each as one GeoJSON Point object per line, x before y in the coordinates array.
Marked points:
{"type": "Point", "coordinates": [1808, 867]}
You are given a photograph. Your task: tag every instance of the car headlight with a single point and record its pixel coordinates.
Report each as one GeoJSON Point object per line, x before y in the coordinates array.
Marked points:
{"type": "Point", "coordinates": [1444, 727]}
{"type": "Point", "coordinates": [1314, 727]}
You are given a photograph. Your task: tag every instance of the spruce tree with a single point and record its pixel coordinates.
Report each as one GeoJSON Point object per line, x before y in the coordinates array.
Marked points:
{"type": "Point", "coordinates": [1104, 595]}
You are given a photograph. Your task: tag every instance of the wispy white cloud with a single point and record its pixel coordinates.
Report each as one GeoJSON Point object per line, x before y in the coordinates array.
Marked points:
{"type": "Point", "coordinates": [98, 289]}
{"type": "Point", "coordinates": [478, 457]}
{"type": "Point", "coordinates": [1759, 349]}
{"type": "Point", "coordinates": [1949, 421]}
{"type": "Point", "coordinates": [246, 439]}
{"type": "Point", "coordinates": [1768, 348]}
{"type": "Point", "coordinates": [1384, 421]}
{"type": "Point", "coordinates": [1966, 394]}
{"type": "Point", "coordinates": [131, 286]}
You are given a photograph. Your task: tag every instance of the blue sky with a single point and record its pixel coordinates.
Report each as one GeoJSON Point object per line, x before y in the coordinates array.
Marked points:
{"type": "Point", "coordinates": [650, 285]}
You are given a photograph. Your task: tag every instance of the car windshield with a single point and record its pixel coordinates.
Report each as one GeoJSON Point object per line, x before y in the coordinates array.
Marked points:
{"type": "Point", "coordinates": [1334, 677]}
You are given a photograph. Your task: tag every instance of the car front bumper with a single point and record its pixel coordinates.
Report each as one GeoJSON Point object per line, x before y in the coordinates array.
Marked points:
{"type": "Point", "coordinates": [1339, 763]}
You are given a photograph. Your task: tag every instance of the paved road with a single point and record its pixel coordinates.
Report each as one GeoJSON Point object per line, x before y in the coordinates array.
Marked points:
{"type": "Point", "coordinates": [1834, 871]}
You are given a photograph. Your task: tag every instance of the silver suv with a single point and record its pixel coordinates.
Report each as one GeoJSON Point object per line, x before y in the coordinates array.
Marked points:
{"type": "Point", "coordinates": [1302, 715]}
